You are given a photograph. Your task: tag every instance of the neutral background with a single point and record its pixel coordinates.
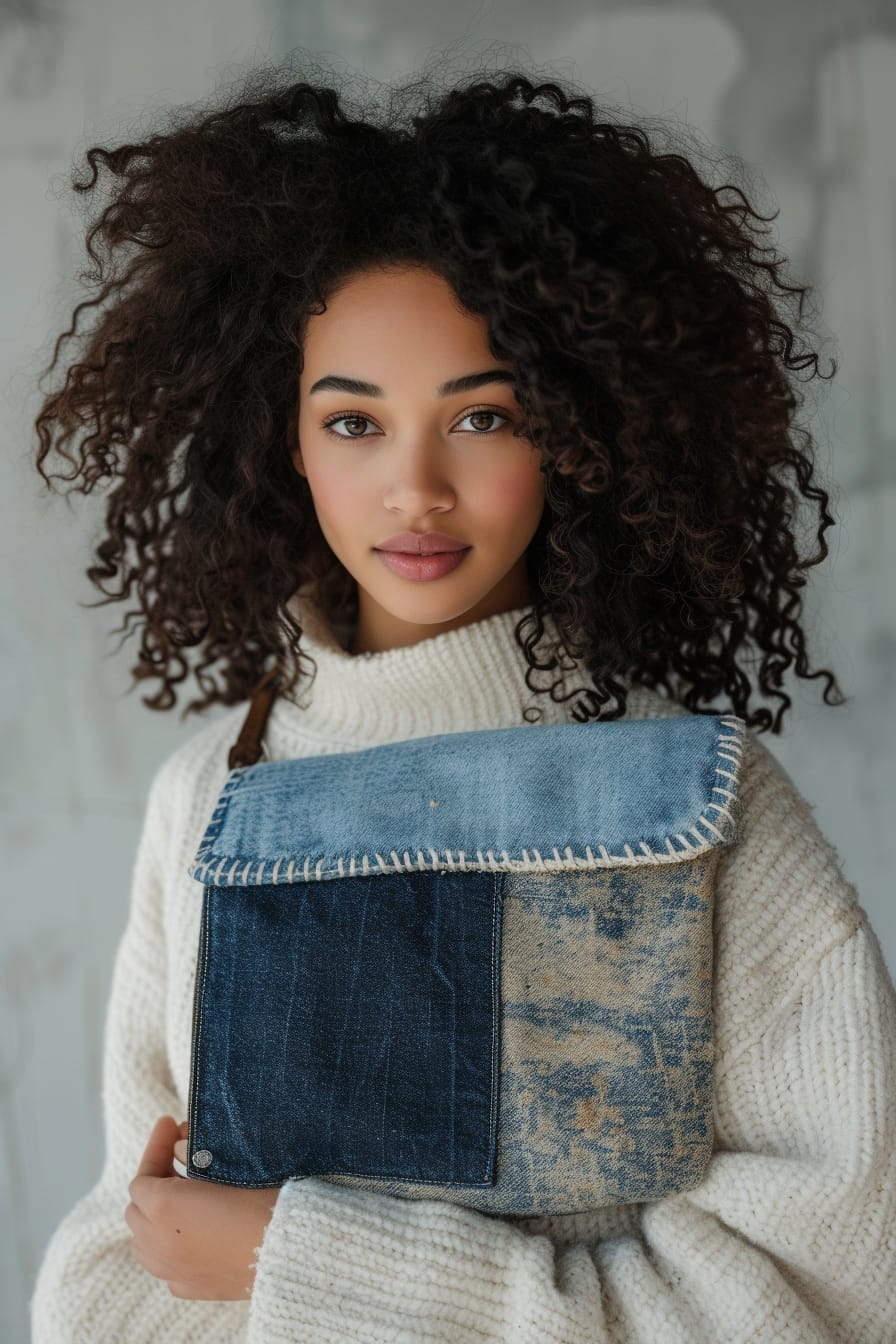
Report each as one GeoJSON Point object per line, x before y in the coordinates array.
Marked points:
{"type": "Point", "coordinates": [804, 91]}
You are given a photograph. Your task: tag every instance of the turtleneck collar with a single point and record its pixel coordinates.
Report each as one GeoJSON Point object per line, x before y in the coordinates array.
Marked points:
{"type": "Point", "coordinates": [470, 677]}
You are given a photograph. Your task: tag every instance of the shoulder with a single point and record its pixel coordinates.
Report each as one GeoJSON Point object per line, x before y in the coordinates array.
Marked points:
{"type": "Point", "coordinates": [203, 752]}
{"type": "Point", "coordinates": [786, 865]}
{"type": "Point", "coordinates": [775, 817]}
{"type": "Point", "coordinates": [781, 889]}
{"type": "Point", "coordinates": [783, 902]}
{"type": "Point", "coordinates": [186, 783]}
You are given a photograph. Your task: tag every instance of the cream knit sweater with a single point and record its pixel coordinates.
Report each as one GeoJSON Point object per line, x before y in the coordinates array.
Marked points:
{"type": "Point", "coordinates": [791, 1235]}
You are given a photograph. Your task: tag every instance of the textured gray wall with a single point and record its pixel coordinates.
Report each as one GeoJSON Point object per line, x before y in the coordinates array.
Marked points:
{"type": "Point", "coordinates": [804, 91]}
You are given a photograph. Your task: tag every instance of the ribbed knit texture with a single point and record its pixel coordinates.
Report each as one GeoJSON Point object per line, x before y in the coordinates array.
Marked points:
{"type": "Point", "coordinates": [791, 1235]}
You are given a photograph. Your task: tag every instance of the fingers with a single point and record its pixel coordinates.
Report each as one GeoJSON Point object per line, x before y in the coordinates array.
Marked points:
{"type": "Point", "coordinates": [134, 1218]}
{"type": "Point", "coordinates": [156, 1159]}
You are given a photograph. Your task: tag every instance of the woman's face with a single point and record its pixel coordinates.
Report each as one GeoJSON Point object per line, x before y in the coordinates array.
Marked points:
{"type": "Point", "coordinates": [407, 453]}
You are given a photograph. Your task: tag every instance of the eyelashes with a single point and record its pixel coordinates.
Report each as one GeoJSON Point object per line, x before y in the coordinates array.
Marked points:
{"type": "Point", "coordinates": [477, 433]}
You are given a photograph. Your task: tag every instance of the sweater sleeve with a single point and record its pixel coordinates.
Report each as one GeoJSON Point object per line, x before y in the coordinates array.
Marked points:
{"type": "Point", "coordinates": [90, 1288]}
{"type": "Point", "coordinates": [791, 1235]}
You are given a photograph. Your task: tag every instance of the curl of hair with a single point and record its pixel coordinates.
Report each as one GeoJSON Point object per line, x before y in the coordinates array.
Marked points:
{"type": "Point", "coordinates": [643, 318]}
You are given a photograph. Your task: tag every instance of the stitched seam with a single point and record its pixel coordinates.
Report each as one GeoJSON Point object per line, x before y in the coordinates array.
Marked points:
{"type": "Point", "coordinates": [729, 753]}
{"type": "Point", "coordinates": [212, 830]}
{"type": "Point", "coordinates": [195, 1051]}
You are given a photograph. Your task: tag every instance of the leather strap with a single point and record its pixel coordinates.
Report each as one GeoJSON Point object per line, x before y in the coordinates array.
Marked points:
{"type": "Point", "coordinates": [247, 749]}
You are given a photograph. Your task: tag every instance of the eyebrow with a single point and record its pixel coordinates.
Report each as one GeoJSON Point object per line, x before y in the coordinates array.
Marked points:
{"type": "Point", "coordinates": [468, 383]}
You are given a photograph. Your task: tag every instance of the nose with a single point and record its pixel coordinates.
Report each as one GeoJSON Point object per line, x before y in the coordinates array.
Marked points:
{"type": "Point", "coordinates": [417, 479]}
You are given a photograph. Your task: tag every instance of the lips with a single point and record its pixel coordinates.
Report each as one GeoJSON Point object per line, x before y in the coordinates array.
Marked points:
{"type": "Point", "coordinates": [423, 567]}
{"type": "Point", "coordinates": [421, 543]}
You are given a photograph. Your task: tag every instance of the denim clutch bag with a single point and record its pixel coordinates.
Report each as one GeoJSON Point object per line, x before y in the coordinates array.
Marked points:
{"type": "Point", "coordinates": [473, 967]}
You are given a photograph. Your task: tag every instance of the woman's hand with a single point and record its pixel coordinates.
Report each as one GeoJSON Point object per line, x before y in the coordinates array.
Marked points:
{"type": "Point", "coordinates": [199, 1237]}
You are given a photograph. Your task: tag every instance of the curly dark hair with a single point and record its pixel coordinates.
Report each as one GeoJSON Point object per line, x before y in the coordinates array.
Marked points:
{"type": "Point", "coordinates": [652, 365]}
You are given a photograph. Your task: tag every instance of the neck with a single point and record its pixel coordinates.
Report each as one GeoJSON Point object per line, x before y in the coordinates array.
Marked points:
{"type": "Point", "coordinates": [471, 676]}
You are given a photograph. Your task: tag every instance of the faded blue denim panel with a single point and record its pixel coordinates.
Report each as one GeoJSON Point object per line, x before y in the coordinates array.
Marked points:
{"type": "Point", "coordinates": [628, 788]}
{"type": "Point", "coordinates": [350, 1026]}
{"type": "Point", "coordinates": [607, 1047]}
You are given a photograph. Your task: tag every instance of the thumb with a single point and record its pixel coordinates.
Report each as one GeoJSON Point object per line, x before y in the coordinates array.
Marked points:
{"type": "Point", "coordinates": [156, 1159]}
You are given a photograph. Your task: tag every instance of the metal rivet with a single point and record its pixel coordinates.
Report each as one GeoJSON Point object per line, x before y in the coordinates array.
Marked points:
{"type": "Point", "coordinates": [202, 1158]}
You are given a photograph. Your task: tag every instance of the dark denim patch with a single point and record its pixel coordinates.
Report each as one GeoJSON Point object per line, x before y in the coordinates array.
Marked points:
{"type": "Point", "coordinates": [349, 1027]}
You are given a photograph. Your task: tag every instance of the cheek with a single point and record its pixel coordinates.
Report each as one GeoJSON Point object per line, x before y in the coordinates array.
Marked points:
{"type": "Point", "coordinates": [515, 494]}
{"type": "Point", "coordinates": [336, 494]}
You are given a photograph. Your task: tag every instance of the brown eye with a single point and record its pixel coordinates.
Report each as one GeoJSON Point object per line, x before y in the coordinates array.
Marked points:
{"type": "Point", "coordinates": [350, 420]}
{"type": "Point", "coordinates": [488, 415]}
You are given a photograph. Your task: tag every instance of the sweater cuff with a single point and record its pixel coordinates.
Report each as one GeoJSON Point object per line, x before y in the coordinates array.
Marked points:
{"type": "Point", "coordinates": [346, 1263]}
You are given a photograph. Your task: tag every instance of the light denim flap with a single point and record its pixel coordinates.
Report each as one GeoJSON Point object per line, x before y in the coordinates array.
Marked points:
{"type": "Point", "coordinates": [533, 797]}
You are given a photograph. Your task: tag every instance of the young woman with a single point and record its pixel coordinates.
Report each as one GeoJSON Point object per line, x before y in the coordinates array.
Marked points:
{"type": "Point", "coordinates": [485, 404]}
